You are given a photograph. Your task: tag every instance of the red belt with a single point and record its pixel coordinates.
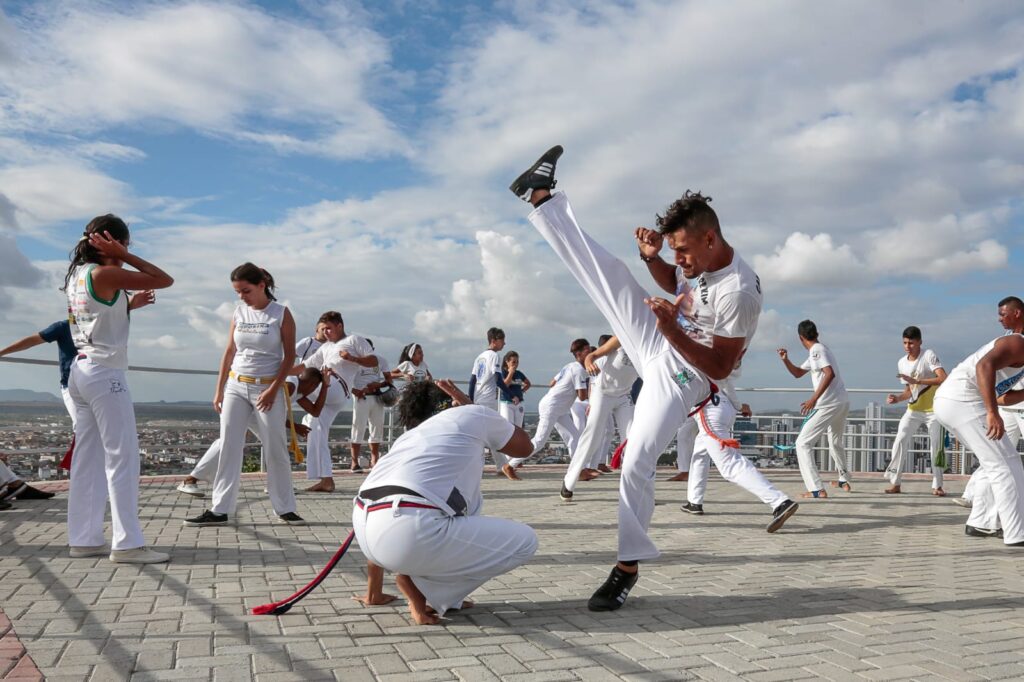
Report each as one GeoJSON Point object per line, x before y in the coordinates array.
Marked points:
{"type": "Point", "coordinates": [377, 506]}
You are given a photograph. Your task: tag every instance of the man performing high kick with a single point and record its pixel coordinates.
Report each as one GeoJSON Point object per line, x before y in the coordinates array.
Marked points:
{"type": "Point", "coordinates": [677, 370]}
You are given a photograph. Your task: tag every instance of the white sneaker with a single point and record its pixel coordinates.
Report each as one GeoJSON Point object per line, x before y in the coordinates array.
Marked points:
{"type": "Point", "coordinates": [86, 551]}
{"type": "Point", "coordinates": [138, 555]}
{"type": "Point", "coordinates": [190, 489]}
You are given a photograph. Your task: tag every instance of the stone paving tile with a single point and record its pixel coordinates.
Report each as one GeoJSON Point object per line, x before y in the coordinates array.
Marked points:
{"type": "Point", "coordinates": [858, 587]}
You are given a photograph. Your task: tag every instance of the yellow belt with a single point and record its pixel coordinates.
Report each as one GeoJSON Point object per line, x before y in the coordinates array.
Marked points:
{"type": "Point", "coordinates": [294, 445]}
{"type": "Point", "coordinates": [251, 380]}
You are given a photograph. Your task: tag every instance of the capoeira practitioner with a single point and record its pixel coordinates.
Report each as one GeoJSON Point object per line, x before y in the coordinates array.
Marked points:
{"type": "Point", "coordinates": [555, 408]}
{"type": "Point", "coordinates": [106, 459]}
{"type": "Point", "coordinates": [516, 385]}
{"type": "Point", "coordinates": [486, 381]}
{"type": "Point", "coordinates": [700, 466]}
{"type": "Point", "coordinates": [308, 345]}
{"type": "Point", "coordinates": [258, 357]}
{"type": "Point", "coordinates": [825, 411]}
{"type": "Point", "coordinates": [685, 439]}
{"type": "Point", "coordinates": [12, 487]}
{"type": "Point", "coordinates": [418, 513]}
{"type": "Point", "coordinates": [610, 402]}
{"type": "Point", "coordinates": [675, 368]}
{"type": "Point", "coordinates": [921, 372]}
{"type": "Point", "coordinates": [60, 333]}
{"type": "Point", "coordinates": [368, 408]}
{"type": "Point", "coordinates": [967, 404]}
{"type": "Point", "coordinates": [322, 406]}
{"type": "Point", "coordinates": [411, 366]}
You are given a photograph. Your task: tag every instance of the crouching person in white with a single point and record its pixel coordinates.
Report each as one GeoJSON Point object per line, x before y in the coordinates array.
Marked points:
{"type": "Point", "coordinates": [967, 404]}
{"type": "Point", "coordinates": [106, 458]}
{"type": "Point", "coordinates": [418, 514]}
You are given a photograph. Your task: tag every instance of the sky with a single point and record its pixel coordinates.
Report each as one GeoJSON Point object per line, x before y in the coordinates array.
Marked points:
{"type": "Point", "coordinates": [866, 158]}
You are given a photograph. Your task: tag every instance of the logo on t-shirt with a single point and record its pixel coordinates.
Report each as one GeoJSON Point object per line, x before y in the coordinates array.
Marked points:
{"type": "Point", "coordinates": [261, 328]}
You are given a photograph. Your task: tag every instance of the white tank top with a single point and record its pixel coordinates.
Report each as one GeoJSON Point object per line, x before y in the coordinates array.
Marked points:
{"type": "Point", "coordinates": [98, 327]}
{"type": "Point", "coordinates": [258, 349]}
{"type": "Point", "coordinates": [962, 382]}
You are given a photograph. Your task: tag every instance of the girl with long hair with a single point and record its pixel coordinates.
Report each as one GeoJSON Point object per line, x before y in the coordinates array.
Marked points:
{"type": "Point", "coordinates": [106, 456]}
{"type": "Point", "coordinates": [411, 366]}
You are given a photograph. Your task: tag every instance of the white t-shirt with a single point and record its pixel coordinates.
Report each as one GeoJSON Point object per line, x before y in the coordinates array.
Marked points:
{"type": "Point", "coordinates": [99, 328]}
{"type": "Point", "coordinates": [726, 303]}
{"type": "Point", "coordinates": [418, 372]}
{"type": "Point", "coordinates": [442, 453]}
{"type": "Point", "coordinates": [258, 349]}
{"type": "Point", "coordinates": [818, 358]}
{"type": "Point", "coordinates": [329, 355]}
{"type": "Point", "coordinates": [369, 375]}
{"type": "Point", "coordinates": [484, 367]}
{"type": "Point", "coordinates": [617, 374]}
{"type": "Point", "coordinates": [561, 396]}
{"type": "Point", "coordinates": [922, 368]}
{"type": "Point", "coordinates": [306, 347]}
{"type": "Point", "coordinates": [962, 382]}
{"type": "Point", "coordinates": [337, 397]}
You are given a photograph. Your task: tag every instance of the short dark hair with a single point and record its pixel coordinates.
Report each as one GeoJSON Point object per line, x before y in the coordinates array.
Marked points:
{"type": "Point", "coordinates": [332, 317]}
{"type": "Point", "coordinates": [419, 402]}
{"type": "Point", "coordinates": [913, 333]}
{"type": "Point", "coordinates": [493, 334]}
{"type": "Point", "coordinates": [807, 330]}
{"type": "Point", "coordinates": [1012, 301]}
{"type": "Point", "coordinates": [692, 211]}
{"type": "Point", "coordinates": [578, 345]}
{"type": "Point", "coordinates": [603, 339]}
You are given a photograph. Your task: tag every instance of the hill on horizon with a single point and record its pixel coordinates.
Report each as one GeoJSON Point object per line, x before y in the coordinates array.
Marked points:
{"type": "Point", "coordinates": [23, 395]}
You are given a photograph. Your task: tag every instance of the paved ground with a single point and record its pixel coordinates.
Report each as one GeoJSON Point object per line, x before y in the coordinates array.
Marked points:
{"type": "Point", "coordinates": [863, 586]}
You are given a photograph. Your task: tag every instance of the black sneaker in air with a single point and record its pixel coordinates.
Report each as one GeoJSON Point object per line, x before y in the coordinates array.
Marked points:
{"type": "Point", "coordinates": [566, 494]}
{"type": "Point", "coordinates": [781, 513]}
{"type": "Point", "coordinates": [976, 532]}
{"type": "Point", "coordinates": [292, 519]}
{"type": "Point", "coordinates": [612, 595]}
{"type": "Point", "coordinates": [690, 508]}
{"type": "Point", "coordinates": [541, 175]}
{"type": "Point", "coordinates": [208, 518]}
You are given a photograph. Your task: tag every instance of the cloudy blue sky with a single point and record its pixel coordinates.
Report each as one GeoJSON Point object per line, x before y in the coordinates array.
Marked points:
{"type": "Point", "coordinates": [866, 158]}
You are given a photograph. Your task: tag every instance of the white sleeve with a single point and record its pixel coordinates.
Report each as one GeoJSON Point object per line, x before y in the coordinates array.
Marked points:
{"type": "Point", "coordinates": [899, 370]}
{"type": "Point", "coordinates": [582, 378]}
{"type": "Point", "coordinates": [736, 316]}
{"type": "Point", "coordinates": [931, 361]}
{"type": "Point", "coordinates": [495, 430]}
{"type": "Point", "coordinates": [818, 359]}
{"type": "Point", "coordinates": [383, 364]}
{"type": "Point", "coordinates": [405, 367]}
{"type": "Point", "coordinates": [317, 359]}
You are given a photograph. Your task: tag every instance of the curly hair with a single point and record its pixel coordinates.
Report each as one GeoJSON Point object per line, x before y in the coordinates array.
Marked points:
{"type": "Point", "coordinates": [692, 211]}
{"type": "Point", "coordinates": [84, 252]}
{"type": "Point", "coordinates": [419, 402]}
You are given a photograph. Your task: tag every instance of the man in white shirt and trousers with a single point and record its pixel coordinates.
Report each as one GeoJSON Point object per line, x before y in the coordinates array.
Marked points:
{"type": "Point", "coordinates": [485, 384]}
{"type": "Point", "coordinates": [824, 412]}
{"type": "Point", "coordinates": [921, 372]}
{"type": "Point", "coordinates": [677, 370]}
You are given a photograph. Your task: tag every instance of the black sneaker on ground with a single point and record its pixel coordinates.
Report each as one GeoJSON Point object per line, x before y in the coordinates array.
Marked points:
{"type": "Point", "coordinates": [975, 532]}
{"type": "Point", "coordinates": [12, 490]}
{"type": "Point", "coordinates": [691, 508]}
{"type": "Point", "coordinates": [292, 519]}
{"type": "Point", "coordinates": [5, 505]}
{"type": "Point", "coordinates": [566, 494]}
{"type": "Point", "coordinates": [30, 493]}
{"type": "Point", "coordinates": [541, 175]}
{"type": "Point", "coordinates": [208, 518]}
{"type": "Point", "coordinates": [612, 595]}
{"type": "Point", "coordinates": [781, 513]}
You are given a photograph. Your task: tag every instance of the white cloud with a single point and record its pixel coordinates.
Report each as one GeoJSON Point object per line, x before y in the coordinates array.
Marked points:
{"type": "Point", "coordinates": [804, 259]}
{"type": "Point", "coordinates": [948, 247]}
{"type": "Point", "coordinates": [165, 342]}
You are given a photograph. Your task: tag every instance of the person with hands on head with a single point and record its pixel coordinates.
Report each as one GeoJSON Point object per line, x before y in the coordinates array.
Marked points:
{"type": "Point", "coordinates": [825, 411]}
{"type": "Point", "coordinates": [515, 387]}
{"type": "Point", "coordinates": [106, 461]}
{"type": "Point", "coordinates": [259, 356]}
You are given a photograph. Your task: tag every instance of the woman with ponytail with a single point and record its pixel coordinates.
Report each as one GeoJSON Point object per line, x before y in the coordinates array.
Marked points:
{"type": "Point", "coordinates": [106, 456]}
{"type": "Point", "coordinates": [259, 355]}
{"type": "Point", "coordinates": [411, 366]}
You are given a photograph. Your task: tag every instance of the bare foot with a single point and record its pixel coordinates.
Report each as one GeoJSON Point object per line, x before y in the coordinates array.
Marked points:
{"type": "Point", "coordinates": [510, 473]}
{"type": "Point", "coordinates": [466, 604]}
{"type": "Point", "coordinates": [319, 488]}
{"type": "Point", "coordinates": [604, 468]}
{"type": "Point", "coordinates": [375, 600]}
{"type": "Point", "coordinates": [845, 485]}
{"type": "Point", "coordinates": [589, 474]}
{"type": "Point", "coordinates": [681, 476]}
{"type": "Point", "coordinates": [418, 609]}
{"type": "Point", "coordinates": [894, 490]}
{"type": "Point", "coordinates": [821, 494]}
{"type": "Point", "coordinates": [190, 480]}
{"type": "Point", "coordinates": [938, 492]}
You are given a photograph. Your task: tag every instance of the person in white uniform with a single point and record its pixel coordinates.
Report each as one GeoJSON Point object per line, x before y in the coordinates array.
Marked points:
{"type": "Point", "coordinates": [685, 439]}
{"type": "Point", "coordinates": [486, 384]}
{"type": "Point", "coordinates": [824, 412]}
{"type": "Point", "coordinates": [257, 359]}
{"type": "Point", "coordinates": [516, 385]}
{"type": "Point", "coordinates": [612, 375]}
{"type": "Point", "coordinates": [106, 460]}
{"type": "Point", "coordinates": [368, 409]}
{"type": "Point", "coordinates": [700, 464]}
{"type": "Point", "coordinates": [322, 406]}
{"type": "Point", "coordinates": [419, 512]}
{"type": "Point", "coordinates": [308, 345]}
{"type": "Point", "coordinates": [921, 372]}
{"type": "Point", "coordinates": [967, 404]}
{"type": "Point", "coordinates": [677, 370]}
{"type": "Point", "coordinates": [555, 408]}
{"type": "Point", "coordinates": [411, 366]}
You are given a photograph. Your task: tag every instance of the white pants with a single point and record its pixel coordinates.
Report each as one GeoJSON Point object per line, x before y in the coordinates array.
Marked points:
{"type": "Point", "coordinates": [238, 409]}
{"type": "Point", "coordinates": [367, 411]}
{"type": "Point", "coordinates": [69, 404]}
{"type": "Point", "coordinates": [563, 423]}
{"type": "Point", "coordinates": [318, 447]}
{"type": "Point", "coordinates": [6, 475]}
{"type": "Point", "coordinates": [685, 438]}
{"type": "Point", "coordinates": [1013, 420]}
{"type": "Point", "coordinates": [910, 422]}
{"type": "Point", "coordinates": [514, 413]}
{"type": "Point", "coordinates": [500, 459]}
{"type": "Point", "coordinates": [671, 385]}
{"type": "Point", "coordinates": [106, 459]}
{"type": "Point", "coordinates": [603, 454]}
{"type": "Point", "coordinates": [831, 419]}
{"type": "Point", "coordinates": [593, 442]}
{"type": "Point", "coordinates": [999, 481]}
{"type": "Point", "coordinates": [715, 424]}
{"type": "Point", "coordinates": [447, 557]}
